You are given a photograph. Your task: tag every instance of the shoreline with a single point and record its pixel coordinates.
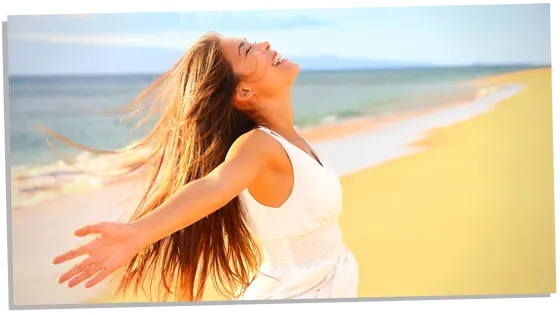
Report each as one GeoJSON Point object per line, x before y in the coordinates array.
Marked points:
{"type": "Point", "coordinates": [317, 133]}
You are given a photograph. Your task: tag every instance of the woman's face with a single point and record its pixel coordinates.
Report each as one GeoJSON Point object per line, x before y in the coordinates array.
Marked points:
{"type": "Point", "coordinates": [263, 71]}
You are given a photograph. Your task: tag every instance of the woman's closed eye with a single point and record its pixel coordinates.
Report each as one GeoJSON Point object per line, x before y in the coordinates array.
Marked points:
{"type": "Point", "coordinates": [249, 49]}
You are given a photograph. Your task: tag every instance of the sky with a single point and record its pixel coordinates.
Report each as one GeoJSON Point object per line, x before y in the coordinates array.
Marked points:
{"type": "Point", "coordinates": [151, 42]}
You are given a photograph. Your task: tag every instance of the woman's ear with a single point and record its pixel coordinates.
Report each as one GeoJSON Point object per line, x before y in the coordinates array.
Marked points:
{"type": "Point", "coordinates": [243, 95]}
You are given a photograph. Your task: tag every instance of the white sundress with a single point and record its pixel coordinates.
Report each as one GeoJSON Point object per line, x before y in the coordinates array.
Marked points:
{"type": "Point", "coordinates": [304, 253]}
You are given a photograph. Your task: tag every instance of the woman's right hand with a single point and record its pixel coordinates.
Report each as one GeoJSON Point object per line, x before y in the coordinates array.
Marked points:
{"type": "Point", "coordinates": [113, 247]}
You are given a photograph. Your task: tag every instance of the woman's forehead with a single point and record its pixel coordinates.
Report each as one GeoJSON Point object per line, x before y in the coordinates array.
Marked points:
{"type": "Point", "coordinates": [233, 48]}
{"type": "Point", "coordinates": [232, 42]}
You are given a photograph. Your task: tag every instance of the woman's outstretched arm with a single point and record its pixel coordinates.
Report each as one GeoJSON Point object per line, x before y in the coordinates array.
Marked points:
{"type": "Point", "coordinates": [119, 242]}
{"type": "Point", "coordinates": [196, 200]}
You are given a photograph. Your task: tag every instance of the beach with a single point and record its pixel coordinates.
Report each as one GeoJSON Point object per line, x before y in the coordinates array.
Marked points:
{"type": "Point", "coordinates": [471, 215]}
{"type": "Point", "coordinates": [449, 200]}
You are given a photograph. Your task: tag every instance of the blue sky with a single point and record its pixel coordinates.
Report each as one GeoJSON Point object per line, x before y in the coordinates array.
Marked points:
{"type": "Point", "coordinates": [148, 42]}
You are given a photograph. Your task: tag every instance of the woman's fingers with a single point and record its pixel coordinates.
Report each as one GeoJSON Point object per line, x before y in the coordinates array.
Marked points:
{"type": "Point", "coordinates": [86, 263]}
{"type": "Point", "coordinates": [69, 255]}
{"type": "Point", "coordinates": [88, 273]}
{"type": "Point", "coordinates": [89, 229]}
{"type": "Point", "coordinates": [98, 278]}
{"type": "Point", "coordinates": [81, 250]}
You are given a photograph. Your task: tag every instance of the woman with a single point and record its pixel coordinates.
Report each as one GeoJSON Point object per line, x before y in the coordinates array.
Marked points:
{"type": "Point", "coordinates": [228, 164]}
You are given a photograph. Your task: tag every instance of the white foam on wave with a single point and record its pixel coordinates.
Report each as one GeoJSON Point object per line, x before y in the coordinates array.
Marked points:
{"type": "Point", "coordinates": [33, 184]}
{"type": "Point", "coordinates": [354, 153]}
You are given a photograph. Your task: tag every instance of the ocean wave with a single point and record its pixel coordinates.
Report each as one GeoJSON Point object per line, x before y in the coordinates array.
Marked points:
{"type": "Point", "coordinates": [33, 184]}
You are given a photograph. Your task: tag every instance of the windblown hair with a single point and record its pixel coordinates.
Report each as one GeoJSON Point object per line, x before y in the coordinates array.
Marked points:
{"type": "Point", "coordinates": [197, 126]}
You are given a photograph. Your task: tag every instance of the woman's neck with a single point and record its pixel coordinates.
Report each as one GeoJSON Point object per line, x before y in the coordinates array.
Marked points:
{"type": "Point", "coordinates": [277, 116]}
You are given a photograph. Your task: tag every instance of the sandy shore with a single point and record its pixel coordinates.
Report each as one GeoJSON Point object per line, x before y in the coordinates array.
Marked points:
{"type": "Point", "coordinates": [442, 221]}
{"type": "Point", "coordinates": [472, 215]}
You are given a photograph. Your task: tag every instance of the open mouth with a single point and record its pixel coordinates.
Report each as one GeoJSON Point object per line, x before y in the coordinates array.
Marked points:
{"type": "Point", "coordinates": [276, 60]}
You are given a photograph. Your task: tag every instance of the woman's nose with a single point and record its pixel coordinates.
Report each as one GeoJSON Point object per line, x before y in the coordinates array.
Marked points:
{"type": "Point", "coordinates": [265, 46]}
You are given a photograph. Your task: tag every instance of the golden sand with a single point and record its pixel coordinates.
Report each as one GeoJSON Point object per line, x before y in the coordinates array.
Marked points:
{"type": "Point", "coordinates": [472, 215]}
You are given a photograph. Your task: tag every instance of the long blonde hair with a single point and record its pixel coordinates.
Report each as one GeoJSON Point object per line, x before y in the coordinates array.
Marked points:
{"type": "Point", "coordinates": [197, 126]}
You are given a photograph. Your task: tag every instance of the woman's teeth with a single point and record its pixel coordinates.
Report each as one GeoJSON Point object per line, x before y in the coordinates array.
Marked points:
{"type": "Point", "coordinates": [276, 60]}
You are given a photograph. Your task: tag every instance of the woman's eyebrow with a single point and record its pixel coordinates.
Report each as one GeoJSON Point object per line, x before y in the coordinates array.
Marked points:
{"type": "Point", "coordinates": [241, 45]}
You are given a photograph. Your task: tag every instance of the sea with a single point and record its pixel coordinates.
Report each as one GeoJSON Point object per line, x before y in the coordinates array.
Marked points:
{"type": "Point", "coordinates": [78, 107]}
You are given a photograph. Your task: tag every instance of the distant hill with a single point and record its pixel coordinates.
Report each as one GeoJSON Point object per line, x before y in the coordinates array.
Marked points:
{"type": "Point", "coordinates": [48, 59]}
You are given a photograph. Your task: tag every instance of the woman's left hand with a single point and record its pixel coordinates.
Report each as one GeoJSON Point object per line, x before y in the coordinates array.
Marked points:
{"type": "Point", "coordinates": [114, 246]}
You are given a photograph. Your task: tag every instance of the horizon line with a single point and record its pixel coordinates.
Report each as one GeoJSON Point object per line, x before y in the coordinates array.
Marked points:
{"type": "Point", "coordinates": [309, 70]}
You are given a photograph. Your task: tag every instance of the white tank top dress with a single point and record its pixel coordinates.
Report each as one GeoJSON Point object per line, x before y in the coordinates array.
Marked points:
{"type": "Point", "coordinates": [304, 253]}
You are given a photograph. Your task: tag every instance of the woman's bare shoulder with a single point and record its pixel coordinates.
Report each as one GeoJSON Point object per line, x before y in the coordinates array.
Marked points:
{"type": "Point", "coordinates": [256, 143]}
